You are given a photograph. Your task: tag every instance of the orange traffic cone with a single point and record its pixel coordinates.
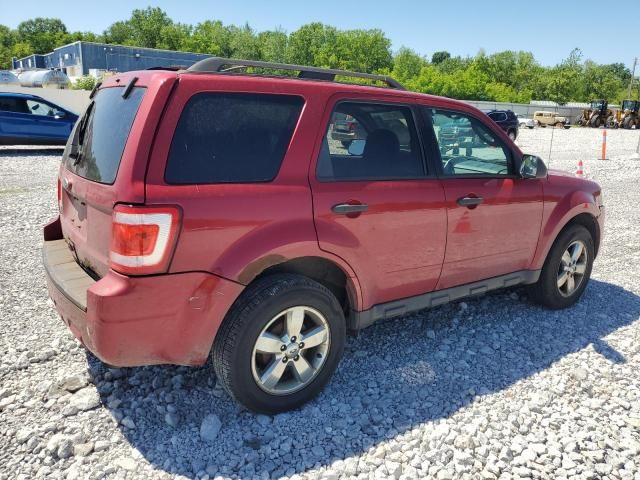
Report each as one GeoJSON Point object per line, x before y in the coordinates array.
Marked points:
{"type": "Point", "coordinates": [580, 172]}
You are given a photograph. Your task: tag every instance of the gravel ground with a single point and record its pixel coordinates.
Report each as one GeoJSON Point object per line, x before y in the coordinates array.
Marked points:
{"type": "Point", "coordinates": [492, 387]}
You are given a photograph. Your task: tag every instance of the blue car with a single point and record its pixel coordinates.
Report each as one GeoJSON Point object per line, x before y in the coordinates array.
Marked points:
{"type": "Point", "coordinates": [31, 120]}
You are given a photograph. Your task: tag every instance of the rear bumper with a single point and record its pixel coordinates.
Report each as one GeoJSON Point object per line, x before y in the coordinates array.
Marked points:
{"type": "Point", "coordinates": [135, 321]}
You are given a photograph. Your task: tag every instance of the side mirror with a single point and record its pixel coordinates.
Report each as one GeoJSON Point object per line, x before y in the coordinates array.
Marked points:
{"type": "Point", "coordinates": [356, 147]}
{"type": "Point", "coordinates": [532, 167]}
{"type": "Point", "coordinates": [59, 114]}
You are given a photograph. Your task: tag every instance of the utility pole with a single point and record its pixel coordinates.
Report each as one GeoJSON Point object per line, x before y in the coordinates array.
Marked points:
{"type": "Point", "coordinates": [633, 74]}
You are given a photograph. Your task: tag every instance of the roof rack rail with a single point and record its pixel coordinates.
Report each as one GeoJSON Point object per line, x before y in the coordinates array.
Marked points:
{"type": "Point", "coordinates": [225, 65]}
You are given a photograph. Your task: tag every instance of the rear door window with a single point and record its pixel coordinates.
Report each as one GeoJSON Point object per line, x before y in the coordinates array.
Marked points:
{"type": "Point", "coordinates": [103, 133]}
{"type": "Point", "coordinates": [12, 104]}
{"type": "Point", "coordinates": [367, 141]}
{"type": "Point", "coordinates": [232, 138]}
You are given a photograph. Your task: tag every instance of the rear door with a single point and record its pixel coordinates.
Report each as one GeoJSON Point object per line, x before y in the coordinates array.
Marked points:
{"type": "Point", "coordinates": [376, 203]}
{"type": "Point", "coordinates": [16, 122]}
{"type": "Point", "coordinates": [494, 217]}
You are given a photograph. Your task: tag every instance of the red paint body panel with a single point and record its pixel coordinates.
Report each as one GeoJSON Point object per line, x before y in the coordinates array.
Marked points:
{"type": "Point", "coordinates": [565, 197]}
{"type": "Point", "coordinates": [413, 239]}
{"type": "Point", "coordinates": [149, 320]}
{"type": "Point", "coordinates": [87, 205]}
{"type": "Point", "coordinates": [497, 237]}
{"type": "Point", "coordinates": [397, 245]}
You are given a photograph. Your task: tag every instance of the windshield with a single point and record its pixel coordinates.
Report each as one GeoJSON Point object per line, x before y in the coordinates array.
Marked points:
{"type": "Point", "coordinates": [100, 136]}
{"type": "Point", "coordinates": [597, 105]}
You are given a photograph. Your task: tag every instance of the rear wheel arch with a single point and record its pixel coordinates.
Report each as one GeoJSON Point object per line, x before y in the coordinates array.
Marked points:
{"type": "Point", "coordinates": [322, 270]}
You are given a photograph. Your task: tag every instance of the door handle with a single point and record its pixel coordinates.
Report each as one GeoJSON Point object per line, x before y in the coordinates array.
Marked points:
{"type": "Point", "coordinates": [470, 202]}
{"type": "Point", "coordinates": [348, 208]}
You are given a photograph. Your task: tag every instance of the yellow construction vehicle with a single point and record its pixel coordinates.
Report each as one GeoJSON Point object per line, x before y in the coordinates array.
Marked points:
{"type": "Point", "coordinates": [597, 115]}
{"type": "Point", "coordinates": [628, 116]}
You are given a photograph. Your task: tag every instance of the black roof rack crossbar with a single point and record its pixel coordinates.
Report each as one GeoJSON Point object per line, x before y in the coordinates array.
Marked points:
{"type": "Point", "coordinates": [222, 65]}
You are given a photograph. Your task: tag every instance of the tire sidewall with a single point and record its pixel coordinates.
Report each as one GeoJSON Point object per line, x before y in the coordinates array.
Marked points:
{"type": "Point", "coordinates": [241, 379]}
{"type": "Point", "coordinates": [550, 269]}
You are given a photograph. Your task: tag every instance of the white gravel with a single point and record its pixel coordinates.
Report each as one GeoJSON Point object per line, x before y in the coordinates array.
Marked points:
{"type": "Point", "coordinates": [492, 387]}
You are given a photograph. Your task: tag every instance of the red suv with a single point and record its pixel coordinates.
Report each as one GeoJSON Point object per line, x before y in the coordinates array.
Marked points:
{"type": "Point", "coordinates": [209, 212]}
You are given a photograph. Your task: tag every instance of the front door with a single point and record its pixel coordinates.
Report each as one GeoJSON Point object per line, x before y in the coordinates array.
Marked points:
{"type": "Point", "coordinates": [494, 217]}
{"type": "Point", "coordinates": [376, 205]}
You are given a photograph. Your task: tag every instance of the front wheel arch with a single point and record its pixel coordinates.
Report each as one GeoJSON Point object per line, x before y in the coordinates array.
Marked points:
{"type": "Point", "coordinates": [590, 223]}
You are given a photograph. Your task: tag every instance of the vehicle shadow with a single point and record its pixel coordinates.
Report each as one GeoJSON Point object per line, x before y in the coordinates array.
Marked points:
{"type": "Point", "coordinates": [32, 151]}
{"type": "Point", "coordinates": [395, 376]}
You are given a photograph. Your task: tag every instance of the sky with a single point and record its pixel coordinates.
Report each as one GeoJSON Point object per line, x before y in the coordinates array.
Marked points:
{"type": "Point", "coordinates": [549, 29]}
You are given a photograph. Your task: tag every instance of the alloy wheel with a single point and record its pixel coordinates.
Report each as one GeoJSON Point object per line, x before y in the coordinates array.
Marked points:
{"type": "Point", "coordinates": [572, 269]}
{"type": "Point", "coordinates": [290, 350]}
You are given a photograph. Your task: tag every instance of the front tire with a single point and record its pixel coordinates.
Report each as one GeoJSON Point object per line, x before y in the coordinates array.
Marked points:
{"type": "Point", "coordinates": [279, 343]}
{"type": "Point", "coordinates": [566, 270]}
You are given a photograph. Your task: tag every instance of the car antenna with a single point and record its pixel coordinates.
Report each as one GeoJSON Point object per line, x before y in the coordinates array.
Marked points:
{"type": "Point", "coordinates": [553, 130]}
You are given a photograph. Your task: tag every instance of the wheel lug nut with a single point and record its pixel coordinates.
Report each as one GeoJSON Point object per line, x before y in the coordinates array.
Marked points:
{"type": "Point", "coordinates": [296, 358]}
{"type": "Point", "coordinates": [293, 339]}
{"type": "Point", "coordinates": [283, 348]}
{"type": "Point", "coordinates": [301, 345]}
{"type": "Point", "coordinates": [284, 359]}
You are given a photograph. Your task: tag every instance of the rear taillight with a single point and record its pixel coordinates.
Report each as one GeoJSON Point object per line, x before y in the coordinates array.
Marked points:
{"type": "Point", "coordinates": [143, 238]}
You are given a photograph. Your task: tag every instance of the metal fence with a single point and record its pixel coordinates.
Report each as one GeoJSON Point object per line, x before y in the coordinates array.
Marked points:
{"type": "Point", "coordinates": [527, 110]}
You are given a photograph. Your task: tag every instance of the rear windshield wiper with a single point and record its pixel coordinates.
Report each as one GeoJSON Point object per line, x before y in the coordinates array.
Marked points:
{"type": "Point", "coordinates": [78, 137]}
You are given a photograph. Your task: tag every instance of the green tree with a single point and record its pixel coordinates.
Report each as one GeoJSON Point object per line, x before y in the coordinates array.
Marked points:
{"type": "Point", "coordinates": [562, 85]}
{"type": "Point", "coordinates": [209, 37]}
{"type": "Point", "coordinates": [407, 64]}
{"type": "Point", "coordinates": [362, 50]}
{"type": "Point", "coordinates": [620, 71]}
{"type": "Point", "coordinates": [598, 81]}
{"type": "Point", "coordinates": [173, 37]}
{"type": "Point", "coordinates": [43, 34]}
{"type": "Point", "coordinates": [147, 26]}
{"type": "Point", "coordinates": [244, 43]}
{"type": "Point", "coordinates": [439, 57]}
{"type": "Point", "coordinates": [273, 46]}
{"type": "Point", "coordinates": [144, 29]}
{"type": "Point", "coordinates": [7, 40]}
{"type": "Point", "coordinates": [120, 33]}
{"type": "Point", "coordinates": [313, 44]}
{"type": "Point", "coordinates": [21, 49]}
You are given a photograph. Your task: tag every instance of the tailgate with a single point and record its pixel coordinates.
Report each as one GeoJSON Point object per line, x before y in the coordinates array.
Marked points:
{"type": "Point", "coordinates": [103, 164]}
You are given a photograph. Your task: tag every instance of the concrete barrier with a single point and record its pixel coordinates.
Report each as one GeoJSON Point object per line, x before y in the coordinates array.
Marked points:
{"type": "Point", "coordinates": [73, 100]}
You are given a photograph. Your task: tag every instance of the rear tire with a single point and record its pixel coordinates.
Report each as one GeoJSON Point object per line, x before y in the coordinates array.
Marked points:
{"type": "Point", "coordinates": [244, 364]}
{"type": "Point", "coordinates": [595, 122]}
{"type": "Point", "coordinates": [560, 272]}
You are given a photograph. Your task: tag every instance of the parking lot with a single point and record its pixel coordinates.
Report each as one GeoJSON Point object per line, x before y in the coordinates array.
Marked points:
{"type": "Point", "coordinates": [492, 387]}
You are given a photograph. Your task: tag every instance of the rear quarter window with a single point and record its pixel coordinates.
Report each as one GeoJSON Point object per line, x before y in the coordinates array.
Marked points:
{"type": "Point", "coordinates": [232, 138]}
